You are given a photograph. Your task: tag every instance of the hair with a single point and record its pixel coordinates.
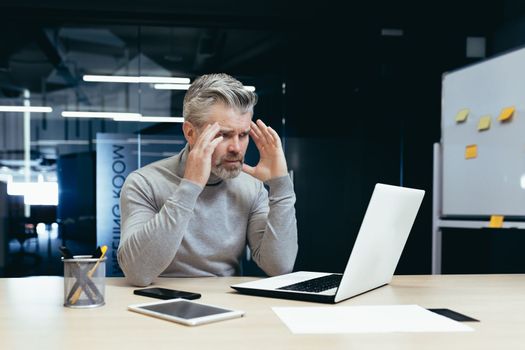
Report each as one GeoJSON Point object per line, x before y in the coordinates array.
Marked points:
{"type": "Point", "coordinates": [210, 89]}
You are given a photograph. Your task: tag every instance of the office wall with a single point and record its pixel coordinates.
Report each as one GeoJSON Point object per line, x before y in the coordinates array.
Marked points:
{"type": "Point", "coordinates": [371, 114]}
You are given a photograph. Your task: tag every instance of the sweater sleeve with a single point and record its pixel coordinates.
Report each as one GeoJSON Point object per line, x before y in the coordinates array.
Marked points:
{"type": "Point", "coordinates": [151, 237]}
{"type": "Point", "coordinates": [272, 227]}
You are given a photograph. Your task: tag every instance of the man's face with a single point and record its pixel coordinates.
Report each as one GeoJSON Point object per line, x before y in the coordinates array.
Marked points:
{"type": "Point", "coordinates": [228, 157]}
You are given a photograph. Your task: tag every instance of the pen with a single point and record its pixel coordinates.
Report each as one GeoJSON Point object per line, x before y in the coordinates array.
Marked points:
{"type": "Point", "coordinates": [98, 253]}
{"type": "Point", "coordinates": [90, 273]}
{"type": "Point", "coordinates": [104, 248]}
{"type": "Point", "coordinates": [78, 273]}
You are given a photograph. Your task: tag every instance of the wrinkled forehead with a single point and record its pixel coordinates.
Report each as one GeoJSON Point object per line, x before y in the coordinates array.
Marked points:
{"type": "Point", "coordinates": [229, 118]}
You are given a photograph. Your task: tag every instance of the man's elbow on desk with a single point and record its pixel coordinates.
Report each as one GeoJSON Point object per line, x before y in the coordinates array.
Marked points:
{"type": "Point", "coordinates": [135, 279]}
{"type": "Point", "coordinates": [138, 281]}
{"type": "Point", "coordinates": [276, 269]}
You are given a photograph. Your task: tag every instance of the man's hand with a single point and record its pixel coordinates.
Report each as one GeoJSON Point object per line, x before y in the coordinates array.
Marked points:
{"type": "Point", "coordinates": [272, 162]}
{"type": "Point", "coordinates": [198, 164]}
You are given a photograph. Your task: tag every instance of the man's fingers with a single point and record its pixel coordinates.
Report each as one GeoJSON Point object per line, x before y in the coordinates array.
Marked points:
{"type": "Point", "coordinates": [207, 135]}
{"type": "Point", "coordinates": [200, 139]}
{"type": "Point", "coordinates": [256, 130]}
{"type": "Point", "coordinates": [275, 136]}
{"type": "Point", "coordinates": [211, 132]}
{"type": "Point", "coordinates": [215, 142]}
{"type": "Point", "coordinates": [264, 131]}
{"type": "Point", "coordinates": [256, 139]}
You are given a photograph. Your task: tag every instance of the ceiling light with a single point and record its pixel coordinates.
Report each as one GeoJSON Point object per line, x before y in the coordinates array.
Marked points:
{"type": "Point", "coordinates": [21, 109]}
{"type": "Point", "coordinates": [58, 142]}
{"type": "Point", "coordinates": [164, 80]}
{"type": "Point", "coordinates": [135, 79]}
{"type": "Point", "coordinates": [129, 118]}
{"type": "Point", "coordinates": [87, 114]}
{"type": "Point", "coordinates": [187, 86]}
{"type": "Point", "coordinates": [171, 86]}
{"type": "Point", "coordinates": [150, 119]}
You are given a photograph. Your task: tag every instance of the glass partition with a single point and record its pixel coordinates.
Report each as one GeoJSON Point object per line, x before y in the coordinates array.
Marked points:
{"type": "Point", "coordinates": [63, 89]}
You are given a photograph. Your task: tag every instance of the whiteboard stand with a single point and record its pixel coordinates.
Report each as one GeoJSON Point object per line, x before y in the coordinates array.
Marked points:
{"type": "Point", "coordinates": [438, 222]}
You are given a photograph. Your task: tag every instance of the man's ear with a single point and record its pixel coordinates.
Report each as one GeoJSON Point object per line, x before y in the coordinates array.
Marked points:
{"type": "Point", "coordinates": [190, 132]}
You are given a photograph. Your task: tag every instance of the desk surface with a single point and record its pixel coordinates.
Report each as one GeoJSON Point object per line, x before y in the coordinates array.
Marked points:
{"type": "Point", "coordinates": [32, 316]}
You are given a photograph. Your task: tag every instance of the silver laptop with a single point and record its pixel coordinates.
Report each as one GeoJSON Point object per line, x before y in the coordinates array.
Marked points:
{"type": "Point", "coordinates": [384, 231]}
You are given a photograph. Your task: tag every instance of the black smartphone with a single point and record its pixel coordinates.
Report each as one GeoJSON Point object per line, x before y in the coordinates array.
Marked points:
{"type": "Point", "coordinates": [165, 293]}
{"type": "Point", "coordinates": [453, 315]}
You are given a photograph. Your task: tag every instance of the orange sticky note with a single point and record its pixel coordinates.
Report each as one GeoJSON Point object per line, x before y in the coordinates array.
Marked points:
{"type": "Point", "coordinates": [496, 221]}
{"type": "Point", "coordinates": [471, 151]}
{"type": "Point", "coordinates": [484, 123]}
{"type": "Point", "coordinates": [462, 115]}
{"type": "Point", "coordinates": [506, 114]}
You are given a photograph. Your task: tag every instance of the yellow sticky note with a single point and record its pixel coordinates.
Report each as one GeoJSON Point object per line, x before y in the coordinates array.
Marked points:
{"type": "Point", "coordinates": [506, 114]}
{"type": "Point", "coordinates": [484, 123]}
{"type": "Point", "coordinates": [462, 115]}
{"type": "Point", "coordinates": [471, 151]}
{"type": "Point", "coordinates": [496, 221]}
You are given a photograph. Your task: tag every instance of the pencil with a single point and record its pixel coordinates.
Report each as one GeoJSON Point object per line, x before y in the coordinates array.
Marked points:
{"type": "Point", "coordinates": [90, 273]}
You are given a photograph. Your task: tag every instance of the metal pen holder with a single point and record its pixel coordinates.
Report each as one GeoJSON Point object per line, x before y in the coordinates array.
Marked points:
{"type": "Point", "coordinates": [84, 281]}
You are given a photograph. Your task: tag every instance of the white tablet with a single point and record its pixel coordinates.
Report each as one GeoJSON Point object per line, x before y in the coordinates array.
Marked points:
{"type": "Point", "coordinates": [185, 311]}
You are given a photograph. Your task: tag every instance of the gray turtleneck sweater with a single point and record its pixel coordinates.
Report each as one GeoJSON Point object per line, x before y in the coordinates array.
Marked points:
{"type": "Point", "coordinates": [172, 227]}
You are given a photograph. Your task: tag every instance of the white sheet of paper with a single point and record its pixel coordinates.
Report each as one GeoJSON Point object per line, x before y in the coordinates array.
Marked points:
{"type": "Point", "coordinates": [366, 319]}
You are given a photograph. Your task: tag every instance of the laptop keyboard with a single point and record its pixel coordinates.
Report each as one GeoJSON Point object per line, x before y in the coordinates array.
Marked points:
{"type": "Point", "coordinates": [315, 285]}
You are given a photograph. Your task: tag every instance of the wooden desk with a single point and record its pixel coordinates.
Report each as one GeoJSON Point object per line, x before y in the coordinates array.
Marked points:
{"type": "Point", "coordinates": [32, 317]}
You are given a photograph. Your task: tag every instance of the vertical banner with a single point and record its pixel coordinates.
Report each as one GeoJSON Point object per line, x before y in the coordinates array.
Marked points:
{"type": "Point", "coordinates": [117, 156]}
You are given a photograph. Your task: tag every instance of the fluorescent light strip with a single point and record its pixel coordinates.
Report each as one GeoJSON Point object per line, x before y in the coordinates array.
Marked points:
{"type": "Point", "coordinates": [146, 119]}
{"type": "Point", "coordinates": [111, 79]}
{"type": "Point", "coordinates": [22, 109]}
{"type": "Point", "coordinates": [151, 119]}
{"type": "Point", "coordinates": [171, 86]}
{"type": "Point", "coordinates": [135, 79]}
{"type": "Point", "coordinates": [122, 117]}
{"type": "Point", "coordinates": [87, 114]}
{"type": "Point", "coordinates": [164, 80]}
{"type": "Point", "coordinates": [130, 118]}
{"type": "Point", "coordinates": [58, 142]}
{"type": "Point", "coordinates": [187, 86]}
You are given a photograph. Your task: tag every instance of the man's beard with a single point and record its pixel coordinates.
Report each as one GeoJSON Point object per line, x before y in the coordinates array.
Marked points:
{"type": "Point", "coordinates": [225, 170]}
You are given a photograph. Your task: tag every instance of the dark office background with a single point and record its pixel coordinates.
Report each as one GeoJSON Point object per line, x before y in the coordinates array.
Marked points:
{"type": "Point", "coordinates": [357, 84]}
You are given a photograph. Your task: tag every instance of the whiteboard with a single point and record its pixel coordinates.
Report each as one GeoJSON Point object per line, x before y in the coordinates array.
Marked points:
{"type": "Point", "coordinates": [493, 183]}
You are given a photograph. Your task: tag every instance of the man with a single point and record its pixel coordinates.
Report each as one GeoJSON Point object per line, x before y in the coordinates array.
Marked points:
{"type": "Point", "coordinates": [193, 214]}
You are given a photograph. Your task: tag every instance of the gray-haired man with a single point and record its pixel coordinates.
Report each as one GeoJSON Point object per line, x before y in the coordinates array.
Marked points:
{"type": "Point", "coordinates": [194, 213]}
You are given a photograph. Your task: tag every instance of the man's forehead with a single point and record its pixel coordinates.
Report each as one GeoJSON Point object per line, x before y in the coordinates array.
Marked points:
{"type": "Point", "coordinates": [228, 117]}
{"type": "Point", "coordinates": [230, 129]}
{"type": "Point", "coordinates": [239, 124]}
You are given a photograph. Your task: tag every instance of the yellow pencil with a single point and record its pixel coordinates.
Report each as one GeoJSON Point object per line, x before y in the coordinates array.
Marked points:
{"type": "Point", "coordinates": [76, 296]}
